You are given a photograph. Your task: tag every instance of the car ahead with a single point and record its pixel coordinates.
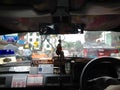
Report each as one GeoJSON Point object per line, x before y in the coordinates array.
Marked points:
{"type": "Point", "coordinates": [60, 44]}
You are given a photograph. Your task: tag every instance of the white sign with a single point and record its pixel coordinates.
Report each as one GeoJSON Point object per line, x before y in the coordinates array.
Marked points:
{"type": "Point", "coordinates": [45, 68]}
{"type": "Point", "coordinates": [19, 81]}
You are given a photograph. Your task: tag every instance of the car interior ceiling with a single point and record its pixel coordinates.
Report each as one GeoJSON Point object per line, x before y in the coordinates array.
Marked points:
{"type": "Point", "coordinates": [32, 15]}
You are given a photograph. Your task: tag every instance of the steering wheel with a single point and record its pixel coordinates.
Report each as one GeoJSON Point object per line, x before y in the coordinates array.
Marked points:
{"type": "Point", "coordinates": [89, 66]}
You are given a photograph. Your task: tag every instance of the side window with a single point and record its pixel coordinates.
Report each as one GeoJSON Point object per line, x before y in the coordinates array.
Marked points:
{"type": "Point", "coordinates": [48, 46]}
{"type": "Point", "coordinates": [37, 34]}
{"type": "Point", "coordinates": [37, 39]}
{"type": "Point", "coordinates": [30, 39]}
{"type": "Point", "coordinates": [30, 34]}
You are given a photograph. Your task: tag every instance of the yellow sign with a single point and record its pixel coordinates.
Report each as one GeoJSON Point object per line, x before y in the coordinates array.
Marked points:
{"type": "Point", "coordinates": [36, 44]}
{"type": "Point", "coordinates": [26, 46]}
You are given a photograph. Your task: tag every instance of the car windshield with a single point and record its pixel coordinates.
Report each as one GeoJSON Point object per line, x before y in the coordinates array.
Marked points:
{"type": "Point", "coordinates": [19, 47]}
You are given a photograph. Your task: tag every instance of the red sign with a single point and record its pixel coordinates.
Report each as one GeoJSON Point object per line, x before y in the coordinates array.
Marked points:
{"type": "Point", "coordinates": [35, 80]}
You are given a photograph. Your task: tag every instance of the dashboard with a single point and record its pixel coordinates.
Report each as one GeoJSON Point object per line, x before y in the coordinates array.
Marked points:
{"type": "Point", "coordinates": [22, 80]}
{"type": "Point", "coordinates": [25, 76]}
